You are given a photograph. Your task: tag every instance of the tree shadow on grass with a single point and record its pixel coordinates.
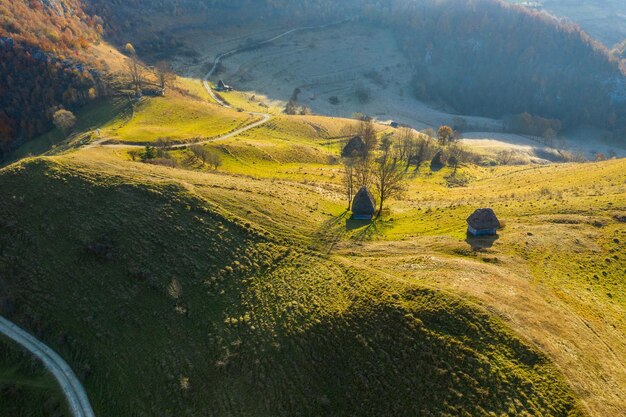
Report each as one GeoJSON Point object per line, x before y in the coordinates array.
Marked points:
{"type": "Point", "coordinates": [330, 232]}
{"type": "Point", "coordinates": [436, 167]}
{"type": "Point", "coordinates": [353, 224]}
{"type": "Point", "coordinates": [366, 229]}
{"type": "Point", "coordinates": [481, 242]}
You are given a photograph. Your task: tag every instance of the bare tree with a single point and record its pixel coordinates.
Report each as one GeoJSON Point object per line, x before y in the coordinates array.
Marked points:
{"type": "Point", "coordinates": [454, 163]}
{"type": "Point", "coordinates": [64, 120]}
{"type": "Point", "coordinates": [367, 131]}
{"type": "Point", "coordinates": [505, 156]}
{"type": "Point", "coordinates": [406, 144]}
{"type": "Point", "coordinates": [424, 150]}
{"type": "Point", "coordinates": [388, 176]}
{"type": "Point", "coordinates": [214, 160]}
{"type": "Point", "coordinates": [199, 153]}
{"type": "Point", "coordinates": [349, 178]}
{"type": "Point", "coordinates": [163, 145]}
{"type": "Point", "coordinates": [461, 153]}
{"type": "Point", "coordinates": [135, 71]}
{"type": "Point", "coordinates": [363, 174]}
{"type": "Point", "coordinates": [164, 74]}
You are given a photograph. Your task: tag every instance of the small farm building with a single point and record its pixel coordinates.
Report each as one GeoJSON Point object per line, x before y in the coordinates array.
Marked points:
{"type": "Point", "coordinates": [221, 86]}
{"type": "Point", "coordinates": [483, 222]}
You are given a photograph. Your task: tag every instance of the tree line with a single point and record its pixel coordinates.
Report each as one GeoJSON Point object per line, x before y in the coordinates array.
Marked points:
{"type": "Point", "coordinates": [34, 86]}
{"type": "Point", "coordinates": [39, 72]}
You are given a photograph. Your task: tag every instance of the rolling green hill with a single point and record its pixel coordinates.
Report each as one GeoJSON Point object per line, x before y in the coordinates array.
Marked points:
{"type": "Point", "coordinates": [168, 303]}
{"type": "Point", "coordinates": [27, 390]}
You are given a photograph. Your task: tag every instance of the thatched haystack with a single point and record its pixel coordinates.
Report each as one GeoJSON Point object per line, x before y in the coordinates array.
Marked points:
{"type": "Point", "coordinates": [363, 205]}
{"type": "Point", "coordinates": [354, 147]}
{"type": "Point", "coordinates": [483, 222]}
{"type": "Point", "coordinates": [439, 160]}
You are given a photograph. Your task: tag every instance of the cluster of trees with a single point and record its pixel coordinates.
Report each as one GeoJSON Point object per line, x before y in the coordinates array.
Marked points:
{"type": "Point", "coordinates": [39, 41]}
{"type": "Point", "coordinates": [160, 154]}
{"type": "Point", "coordinates": [33, 87]}
{"type": "Point", "coordinates": [374, 167]}
{"type": "Point", "coordinates": [160, 75]}
{"type": "Point", "coordinates": [528, 124]}
{"type": "Point", "coordinates": [384, 165]}
{"type": "Point", "coordinates": [206, 157]}
{"type": "Point", "coordinates": [59, 26]}
{"type": "Point", "coordinates": [292, 107]}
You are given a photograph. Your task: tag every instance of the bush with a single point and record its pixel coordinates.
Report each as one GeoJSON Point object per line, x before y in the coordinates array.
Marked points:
{"type": "Point", "coordinates": [148, 153]}
{"type": "Point", "coordinates": [214, 160]}
{"type": "Point", "coordinates": [64, 120]}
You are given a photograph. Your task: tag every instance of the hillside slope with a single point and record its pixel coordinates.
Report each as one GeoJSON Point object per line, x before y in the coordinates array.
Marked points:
{"type": "Point", "coordinates": [26, 389]}
{"type": "Point", "coordinates": [164, 301]}
{"type": "Point", "coordinates": [48, 61]}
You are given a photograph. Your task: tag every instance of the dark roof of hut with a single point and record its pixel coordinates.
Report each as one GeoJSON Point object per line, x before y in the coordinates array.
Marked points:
{"type": "Point", "coordinates": [439, 159]}
{"type": "Point", "coordinates": [364, 202]}
{"type": "Point", "coordinates": [354, 147]}
{"type": "Point", "coordinates": [483, 219]}
{"type": "Point", "coordinates": [221, 84]}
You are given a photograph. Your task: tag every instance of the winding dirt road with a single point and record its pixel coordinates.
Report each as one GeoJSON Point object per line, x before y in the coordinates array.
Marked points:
{"type": "Point", "coordinates": [74, 392]}
{"type": "Point", "coordinates": [265, 117]}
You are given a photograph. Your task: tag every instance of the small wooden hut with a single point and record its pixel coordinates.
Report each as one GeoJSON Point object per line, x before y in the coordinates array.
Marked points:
{"type": "Point", "coordinates": [363, 205]}
{"type": "Point", "coordinates": [483, 222]}
{"type": "Point", "coordinates": [221, 86]}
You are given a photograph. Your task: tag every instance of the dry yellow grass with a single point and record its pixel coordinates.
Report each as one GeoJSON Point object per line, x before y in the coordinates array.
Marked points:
{"type": "Point", "coordinates": [555, 215]}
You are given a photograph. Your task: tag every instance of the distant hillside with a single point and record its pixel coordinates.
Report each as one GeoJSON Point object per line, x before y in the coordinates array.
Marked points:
{"type": "Point", "coordinates": [603, 19]}
{"type": "Point", "coordinates": [40, 71]}
{"type": "Point", "coordinates": [488, 58]}
{"type": "Point", "coordinates": [484, 57]}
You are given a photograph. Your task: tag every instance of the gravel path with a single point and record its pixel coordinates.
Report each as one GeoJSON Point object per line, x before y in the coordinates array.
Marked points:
{"type": "Point", "coordinates": [74, 391]}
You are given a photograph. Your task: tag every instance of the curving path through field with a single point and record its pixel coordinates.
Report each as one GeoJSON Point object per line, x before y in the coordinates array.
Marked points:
{"type": "Point", "coordinates": [74, 392]}
{"type": "Point", "coordinates": [265, 117]}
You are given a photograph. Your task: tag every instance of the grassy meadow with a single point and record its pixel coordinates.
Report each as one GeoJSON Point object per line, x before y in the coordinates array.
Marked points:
{"type": "Point", "coordinates": [27, 389]}
{"type": "Point", "coordinates": [246, 290]}
{"type": "Point", "coordinates": [177, 118]}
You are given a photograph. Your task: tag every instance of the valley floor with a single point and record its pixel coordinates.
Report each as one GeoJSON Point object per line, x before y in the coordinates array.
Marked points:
{"type": "Point", "coordinates": [322, 64]}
